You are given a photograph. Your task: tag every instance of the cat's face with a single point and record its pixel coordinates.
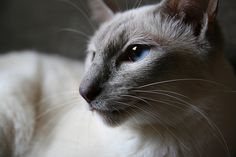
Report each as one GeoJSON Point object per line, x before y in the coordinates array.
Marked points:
{"type": "Point", "coordinates": [131, 55]}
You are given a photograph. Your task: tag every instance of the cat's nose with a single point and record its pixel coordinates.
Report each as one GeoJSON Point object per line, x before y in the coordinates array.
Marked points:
{"type": "Point", "coordinates": [89, 93]}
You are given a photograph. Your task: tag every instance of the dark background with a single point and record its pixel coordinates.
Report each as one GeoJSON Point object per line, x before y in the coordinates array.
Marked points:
{"type": "Point", "coordinates": [38, 24]}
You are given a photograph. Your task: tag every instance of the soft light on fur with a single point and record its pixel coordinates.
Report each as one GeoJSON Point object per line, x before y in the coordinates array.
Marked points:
{"type": "Point", "coordinates": [178, 101]}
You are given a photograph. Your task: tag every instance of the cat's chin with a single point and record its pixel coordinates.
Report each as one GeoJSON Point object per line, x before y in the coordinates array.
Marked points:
{"type": "Point", "coordinates": [114, 118]}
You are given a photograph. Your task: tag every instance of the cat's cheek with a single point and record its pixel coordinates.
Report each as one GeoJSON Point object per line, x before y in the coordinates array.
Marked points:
{"type": "Point", "coordinates": [130, 67]}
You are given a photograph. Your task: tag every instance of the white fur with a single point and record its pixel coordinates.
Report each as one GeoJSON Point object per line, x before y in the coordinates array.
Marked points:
{"type": "Point", "coordinates": [27, 78]}
{"type": "Point", "coordinates": [81, 133]}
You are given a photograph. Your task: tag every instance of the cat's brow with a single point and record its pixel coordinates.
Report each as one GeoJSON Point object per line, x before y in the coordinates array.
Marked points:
{"type": "Point", "coordinates": [112, 43]}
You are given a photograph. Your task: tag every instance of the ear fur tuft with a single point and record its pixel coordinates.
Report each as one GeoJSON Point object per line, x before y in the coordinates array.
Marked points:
{"type": "Point", "coordinates": [193, 12]}
{"type": "Point", "coordinates": [102, 10]}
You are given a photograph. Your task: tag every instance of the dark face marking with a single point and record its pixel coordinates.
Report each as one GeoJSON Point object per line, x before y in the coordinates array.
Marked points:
{"type": "Point", "coordinates": [134, 50]}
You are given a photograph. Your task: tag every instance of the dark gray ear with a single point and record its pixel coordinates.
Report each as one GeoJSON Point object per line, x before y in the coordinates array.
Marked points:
{"type": "Point", "coordinates": [212, 10]}
{"type": "Point", "coordinates": [193, 12]}
{"type": "Point", "coordinates": [102, 10]}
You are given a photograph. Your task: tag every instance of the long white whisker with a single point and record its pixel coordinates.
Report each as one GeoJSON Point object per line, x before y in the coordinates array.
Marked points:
{"type": "Point", "coordinates": [163, 102]}
{"type": "Point", "coordinates": [76, 32]}
{"type": "Point", "coordinates": [182, 80]}
{"type": "Point", "coordinates": [54, 108]}
{"type": "Point", "coordinates": [146, 111]}
{"type": "Point", "coordinates": [58, 95]}
{"type": "Point", "coordinates": [136, 3]}
{"type": "Point", "coordinates": [81, 12]}
{"type": "Point", "coordinates": [163, 94]}
{"type": "Point", "coordinates": [155, 117]}
{"type": "Point", "coordinates": [137, 98]}
{"type": "Point", "coordinates": [171, 92]}
{"type": "Point", "coordinates": [197, 110]}
{"type": "Point", "coordinates": [140, 2]}
{"type": "Point", "coordinates": [126, 4]}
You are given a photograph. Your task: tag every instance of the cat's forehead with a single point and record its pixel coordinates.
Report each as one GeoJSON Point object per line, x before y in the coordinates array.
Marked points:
{"type": "Point", "coordinates": [143, 23]}
{"type": "Point", "coordinates": [121, 28]}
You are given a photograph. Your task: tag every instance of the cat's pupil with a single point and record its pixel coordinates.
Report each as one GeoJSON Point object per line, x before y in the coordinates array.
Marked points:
{"type": "Point", "coordinates": [138, 52]}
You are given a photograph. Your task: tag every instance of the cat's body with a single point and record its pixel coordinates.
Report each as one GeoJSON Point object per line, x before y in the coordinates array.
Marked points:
{"type": "Point", "coordinates": [174, 98]}
{"type": "Point", "coordinates": [79, 134]}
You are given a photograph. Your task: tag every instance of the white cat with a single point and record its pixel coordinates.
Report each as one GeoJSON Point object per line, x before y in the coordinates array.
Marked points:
{"type": "Point", "coordinates": [156, 85]}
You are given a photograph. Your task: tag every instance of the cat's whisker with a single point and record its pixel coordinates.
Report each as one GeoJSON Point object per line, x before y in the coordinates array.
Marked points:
{"type": "Point", "coordinates": [83, 7]}
{"type": "Point", "coordinates": [55, 108]}
{"type": "Point", "coordinates": [73, 93]}
{"type": "Point", "coordinates": [88, 127]}
{"type": "Point", "coordinates": [197, 110]}
{"type": "Point", "coordinates": [212, 125]}
{"type": "Point", "coordinates": [126, 4]}
{"type": "Point", "coordinates": [149, 124]}
{"type": "Point", "coordinates": [161, 92]}
{"type": "Point", "coordinates": [178, 139]}
{"type": "Point", "coordinates": [158, 118]}
{"type": "Point", "coordinates": [77, 32]}
{"type": "Point", "coordinates": [137, 4]}
{"type": "Point", "coordinates": [143, 98]}
{"type": "Point", "coordinates": [169, 111]}
{"type": "Point", "coordinates": [111, 98]}
{"type": "Point", "coordinates": [163, 102]}
{"type": "Point", "coordinates": [76, 85]}
{"type": "Point", "coordinates": [183, 80]}
{"type": "Point", "coordinates": [135, 106]}
{"type": "Point", "coordinates": [135, 97]}
{"type": "Point", "coordinates": [157, 90]}
{"type": "Point", "coordinates": [152, 126]}
{"type": "Point", "coordinates": [173, 97]}
{"type": "Point", "coordinates": [145, 111]}
{"type": "Point", "coordinates": [171, 92]}
{"type": "Point", "coordinates": [164, 94]}
{"type": "Point", "coordinates": [81, 12]}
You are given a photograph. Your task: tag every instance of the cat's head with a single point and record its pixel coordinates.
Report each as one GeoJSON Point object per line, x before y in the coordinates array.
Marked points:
{"type": "Point", "coordinates": [142, 61]}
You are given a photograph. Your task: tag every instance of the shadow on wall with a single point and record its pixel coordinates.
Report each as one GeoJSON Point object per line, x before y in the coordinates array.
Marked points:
{"type": "Point", "coordinates": [38, 24]}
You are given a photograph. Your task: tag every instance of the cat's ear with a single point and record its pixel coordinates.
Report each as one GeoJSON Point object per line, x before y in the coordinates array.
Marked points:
{"type": "Point", "coordinates": [212, 10]}
{"type": "Point", "coordinates": [102, 10]}
{"type": "Point", "coordinates": [193, 12]}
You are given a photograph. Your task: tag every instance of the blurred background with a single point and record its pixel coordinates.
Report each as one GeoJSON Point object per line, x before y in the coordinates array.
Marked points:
{"type": "Point", "coordinates": [40, 25]}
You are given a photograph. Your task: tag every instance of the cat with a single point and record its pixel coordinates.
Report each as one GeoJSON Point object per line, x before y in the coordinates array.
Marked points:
{"type": "Point", "coordinates": [155, 84]}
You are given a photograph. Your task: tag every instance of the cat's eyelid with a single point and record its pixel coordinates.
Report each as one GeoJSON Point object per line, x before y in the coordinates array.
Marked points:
{"type": "Point", "coordinates": [140, 42]}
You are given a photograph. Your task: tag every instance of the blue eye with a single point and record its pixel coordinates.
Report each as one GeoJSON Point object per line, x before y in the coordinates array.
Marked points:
{"type": "Point", "coordinates": [138, 52]}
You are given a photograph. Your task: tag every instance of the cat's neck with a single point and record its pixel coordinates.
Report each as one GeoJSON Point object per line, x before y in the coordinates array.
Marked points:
{"type": "Point", "coordinates": [186, 137]}
{"type": "Point", "coordinates": [184, 140]}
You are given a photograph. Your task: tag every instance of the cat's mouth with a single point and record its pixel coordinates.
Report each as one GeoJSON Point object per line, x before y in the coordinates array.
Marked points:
{"type": "Point", "coordinates": [112, 113]}
{"type": "Point", "coordinates": [114, 117]}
